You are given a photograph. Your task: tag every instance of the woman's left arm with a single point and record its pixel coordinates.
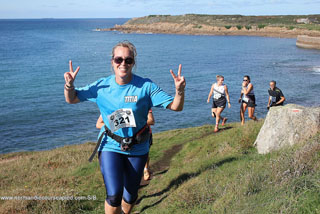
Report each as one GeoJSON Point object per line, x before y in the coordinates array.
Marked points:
{"type": "Point", "coordinates": [150, 120]}
{"type": "Point", "coordinates": [180, 84]}
{"type": "Point", "coordinates": [227, 95]}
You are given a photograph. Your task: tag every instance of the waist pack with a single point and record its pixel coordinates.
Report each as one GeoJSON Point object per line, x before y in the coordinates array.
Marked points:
{"type": "Point", "coordinates": [126, 143]}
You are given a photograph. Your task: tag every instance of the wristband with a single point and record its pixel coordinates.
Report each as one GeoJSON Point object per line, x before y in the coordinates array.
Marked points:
{"type": "Point", "coordinates": [68, 88]}
{"type": "Point", "coordinates": [180, 92]}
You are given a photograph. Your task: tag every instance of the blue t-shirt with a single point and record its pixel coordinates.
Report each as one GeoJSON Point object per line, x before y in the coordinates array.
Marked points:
{"type": "Point", "coordinates": [138, 96]}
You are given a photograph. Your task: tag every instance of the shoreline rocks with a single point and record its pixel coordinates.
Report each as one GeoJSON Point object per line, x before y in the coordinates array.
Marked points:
{"type": "Point", "coordinates": [308, 42]}
{"type": "Point", "coordinates": [194, 29]}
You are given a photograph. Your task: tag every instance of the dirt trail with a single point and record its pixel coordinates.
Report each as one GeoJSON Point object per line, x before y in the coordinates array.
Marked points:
{"type": "Point", "coordinates": [163, 164]}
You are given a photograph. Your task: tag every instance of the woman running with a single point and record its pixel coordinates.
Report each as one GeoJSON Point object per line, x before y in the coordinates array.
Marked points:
{"type": "Point", "coordinates": [247, 100]}
{"type": "Point", "coordinates": [220, 97]}
{"type": "Point", "coordinates": [124, 100]}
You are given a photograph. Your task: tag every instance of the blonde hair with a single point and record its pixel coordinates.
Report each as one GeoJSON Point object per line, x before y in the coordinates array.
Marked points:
{"type": "Point", "coordinates": [130, 46]}
{"type": "Point", "coordinates": [219, 77]}
{"type": "Point", "coordinates": [126, 44]}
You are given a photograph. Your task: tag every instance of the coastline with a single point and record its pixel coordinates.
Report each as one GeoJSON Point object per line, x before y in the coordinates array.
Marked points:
{"type": "Point", "coordinates": [191, 29]}
{"type": "Point", "coordinates": [283, 26]}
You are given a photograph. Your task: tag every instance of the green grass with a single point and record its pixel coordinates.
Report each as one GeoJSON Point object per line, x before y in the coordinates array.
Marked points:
{"type": "Point", "coordinates": [212, 173]}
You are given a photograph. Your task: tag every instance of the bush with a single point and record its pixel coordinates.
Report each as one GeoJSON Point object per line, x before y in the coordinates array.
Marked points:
{"type": "Point", "coordinates": [197, 26]}
{"type": "Point", "coordinates": [239, 27]}
{"type": "Point", "coordinates": [261, 26]}
{"type": "Point", "coordinates": [228, 26]}
{"type": "Point", "coordinates": [248, 27]}
{"type": "Point", "coordinates": [291, 27]}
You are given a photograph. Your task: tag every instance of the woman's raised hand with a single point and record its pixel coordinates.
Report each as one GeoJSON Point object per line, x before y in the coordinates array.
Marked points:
{"type": "Point", "coordinates": [179, 80]}
{"type": "Point", "coordinates": [70, 76]}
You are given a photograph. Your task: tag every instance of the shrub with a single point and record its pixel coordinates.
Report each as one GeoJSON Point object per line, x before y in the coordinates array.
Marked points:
{"type": "Point", "coordinates": [248, 27]}
{"type": "Point", "coordinates": [197, 26]}
{"type": "Point", "coordinates": [261, 26]}
{"type": "Point", "coordinates": [227, 26]}
{"type": "Point", "coordinates": [291, 27]}
{"type": "Point", "coordinates": [239, 27]}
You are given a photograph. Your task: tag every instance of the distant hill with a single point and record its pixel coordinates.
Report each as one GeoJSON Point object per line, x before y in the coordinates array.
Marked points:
{"type": "Point", "coordinates": [310, 22]}
{"type": "Point", "coordinates": [197, 24]}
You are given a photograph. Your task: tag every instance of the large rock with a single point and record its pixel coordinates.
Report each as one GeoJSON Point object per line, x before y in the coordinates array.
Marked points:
{"type": "Point", "coordinates": [287, 125]}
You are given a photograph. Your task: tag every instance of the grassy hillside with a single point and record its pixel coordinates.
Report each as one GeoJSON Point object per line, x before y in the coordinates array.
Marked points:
{"type": "Point", "coordinates": [195, 171]}
{"type": "Point", "coordinates": [239, 21]}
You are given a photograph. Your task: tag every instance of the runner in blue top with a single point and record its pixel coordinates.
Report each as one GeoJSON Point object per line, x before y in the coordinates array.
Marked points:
{"type": "Point", "coordinates": [124, 100]}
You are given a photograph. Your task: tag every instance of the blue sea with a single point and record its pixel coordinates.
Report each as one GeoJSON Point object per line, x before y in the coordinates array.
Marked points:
{"type": "Point", "coordinates": [34, 55]}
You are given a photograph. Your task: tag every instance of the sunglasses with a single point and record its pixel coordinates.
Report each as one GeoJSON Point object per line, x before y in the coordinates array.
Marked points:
{"type": "Point", "coordinates": [119, 60]}
{"type": "Point", "coordinates": [245, 80]}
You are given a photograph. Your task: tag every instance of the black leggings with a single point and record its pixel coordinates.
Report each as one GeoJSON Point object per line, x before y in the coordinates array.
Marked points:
{"type": "Point", "coordinates": [122, 175]}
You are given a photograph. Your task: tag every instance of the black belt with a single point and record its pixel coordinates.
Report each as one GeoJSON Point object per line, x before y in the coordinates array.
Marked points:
{"type": "Point", "coordinates": [126, 142]}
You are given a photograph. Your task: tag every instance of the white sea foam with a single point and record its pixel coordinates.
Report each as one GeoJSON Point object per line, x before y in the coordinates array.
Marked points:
{"type": "Point", "coordinates": [316, 69]}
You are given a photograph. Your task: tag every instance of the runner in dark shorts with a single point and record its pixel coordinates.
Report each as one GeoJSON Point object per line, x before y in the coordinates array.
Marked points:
{"type": "Point", "coordinates": [247, 100]}
{"type": "Point", "coordinates": [220, 98]}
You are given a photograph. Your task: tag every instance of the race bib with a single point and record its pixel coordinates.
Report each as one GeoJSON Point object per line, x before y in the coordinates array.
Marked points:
{"type": "Point", "coordinates": [274, 99]}
{"type": "Point", "coordinates": [246, 99]}
{"type": "Point", "coordinates": [121, 118]}
{"type": "Point", "coordinates": [217, 96]}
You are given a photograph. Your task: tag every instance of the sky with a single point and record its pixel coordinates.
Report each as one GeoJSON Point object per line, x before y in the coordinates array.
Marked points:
{"type": "Point", "coordinates": [136, 8]}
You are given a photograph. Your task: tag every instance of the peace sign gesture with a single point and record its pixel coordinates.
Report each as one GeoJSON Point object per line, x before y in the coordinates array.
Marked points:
{"type": "Point", "coordinates": [179, 80]}
{"type": "Point", "coordinates": [70, 76]}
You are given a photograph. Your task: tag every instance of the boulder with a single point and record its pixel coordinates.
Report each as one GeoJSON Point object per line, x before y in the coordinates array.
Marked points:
{"type": "Point", "coordinates": [287, 125]}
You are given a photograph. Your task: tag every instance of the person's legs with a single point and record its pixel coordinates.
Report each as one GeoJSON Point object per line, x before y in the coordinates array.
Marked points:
{"type": "Point", "coordinates": [146, 173]}
{"type": "Point", "coordinates": [112, 167]}
{"type": "Point", "coordinates": [251, 113]}
{"type": "Point", "coordinates": [133, 172]}
{"type": "Point", "coordinates": [108, 209]}
{"type": "Point", "coordinates": [213, 112]}
{"type": "Point", "coordinates": [243, 108]}
{"type": "Point", "coordinates": [218, 116]}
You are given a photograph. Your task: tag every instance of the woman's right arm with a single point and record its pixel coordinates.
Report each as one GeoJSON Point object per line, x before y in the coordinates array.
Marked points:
{"type": "Point", "coordinates": [241, 94]}
{"type": "Point", "coordinates": [210, 94]}
{"type": "Point", "coordinates": [100, 122]}
{"type": "Point", "coordinates": [69, 91]}
{"type": "Point", "coordinates": [269, 101]}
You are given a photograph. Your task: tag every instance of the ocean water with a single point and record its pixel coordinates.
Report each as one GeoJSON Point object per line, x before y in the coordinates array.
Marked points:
{"type": "Point", "coordinates": [34, 55]}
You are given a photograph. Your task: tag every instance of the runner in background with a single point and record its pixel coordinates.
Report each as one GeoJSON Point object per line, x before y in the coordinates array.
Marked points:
{"type": "Point", "coordinates": [247, 100]}
{"type": "Point", "coordinates": [150, 122]}
{"type": "Point", "coordinates": [276, 97]}
{"type": "Point", "coordinates": [220, 98]}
